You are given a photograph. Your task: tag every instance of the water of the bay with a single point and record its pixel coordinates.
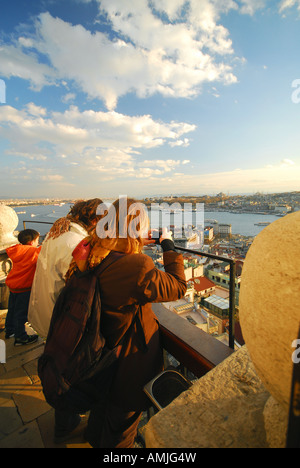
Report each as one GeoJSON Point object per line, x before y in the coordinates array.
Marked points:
{"type": "Point", "coordinates": [242, 223]}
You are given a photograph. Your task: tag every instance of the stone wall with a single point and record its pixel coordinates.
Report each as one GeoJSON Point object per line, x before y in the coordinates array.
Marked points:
{"type": "Point", "coordinates": [244, 401]}
{"type": "Point", "coordinates": [8, 223]}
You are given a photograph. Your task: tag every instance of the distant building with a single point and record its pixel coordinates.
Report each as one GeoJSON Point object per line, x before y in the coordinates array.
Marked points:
{"type": "Point", "coordinates": [282, 208]}
{"type": "Point", "coordinates": [202, 286]}
{"type": "Point", "coordinates": [224, 230]}
{"type": "Point", "coordinates": [195, 315]}
{"type": "Point", "coordinates": [193, 272]}
{"type": "Point", "coordinates": [221, 229]}
{"type": "Point", "coordinates": [208, 234]}
{"type": "Point", "coordinates": [218, 305]}
{"type": "Point", "coordinates": [187, 242]}
{"type": "Point", "coordinates": [222, 279]}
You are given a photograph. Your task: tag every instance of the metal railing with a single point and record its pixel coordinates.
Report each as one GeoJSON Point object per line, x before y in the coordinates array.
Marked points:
{"type": "Point", "coordinates": [293, 440]}
{"type": "Point", "coordinates": [37, 222]}
{"type": "Point", "coordinates": [208, 255]}
{"type": "Point", "coordinates": [232, 276]}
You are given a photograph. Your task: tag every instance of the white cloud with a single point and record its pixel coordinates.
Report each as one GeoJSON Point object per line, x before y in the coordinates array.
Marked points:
{"type": "Point", "coordinates": [266, 179]}
{"type": "Point", "coordinates": [52, 178]}
{"type": "Point", "coordinates": [183, 143]}
{"type": "Point", "coordinates": [165, 165]}
{"type": "Point", "coordinates": [171, 47]}
{"type": "Point", "coordinates": [250, 7]}
{"type": "Point", "coordinates": [105, 142]}
{"type": "Point", "coordinates": [287, 162]}
{"type": "Point", "coordinates": [147, 55]}
{"type": "Point", "coordinates": [68, 97]}
{"type": "Point", "coordinates": [282, 176]}
{"type": "Point", "coordinates": [286, 4]}
{"type": "Point", "coordinates": [15, 62]}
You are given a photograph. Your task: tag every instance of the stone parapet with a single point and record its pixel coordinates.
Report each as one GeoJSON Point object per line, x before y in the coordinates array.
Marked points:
{"type": "Point", "coordinates": [8, 223]}
{"type": "Point", "coordinates": [223, 409]}
{"type": "Point", "coordinates": [244, 401]}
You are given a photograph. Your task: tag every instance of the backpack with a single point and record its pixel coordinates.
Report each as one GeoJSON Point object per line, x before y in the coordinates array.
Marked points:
{"type": "Point", "coordinates": [75, 350]}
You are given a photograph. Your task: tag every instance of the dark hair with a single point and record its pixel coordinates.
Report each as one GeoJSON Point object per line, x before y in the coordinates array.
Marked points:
{"type": "Point", "coordinates": [28, 235]}
{"type": "Point", "coordinates": [84, 212]}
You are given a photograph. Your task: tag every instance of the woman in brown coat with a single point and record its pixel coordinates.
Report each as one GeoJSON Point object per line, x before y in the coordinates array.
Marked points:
{"type": "Point", "coordinates": [128, 286]}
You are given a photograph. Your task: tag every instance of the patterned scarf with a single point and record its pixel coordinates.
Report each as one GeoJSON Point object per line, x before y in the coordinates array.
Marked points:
{"type": "Point", "coordinates": [90, 252]}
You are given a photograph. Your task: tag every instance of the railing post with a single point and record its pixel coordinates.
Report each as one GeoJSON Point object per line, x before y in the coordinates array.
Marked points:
{"type": "Point", "coordinates": [232, 304]}
{"type": "Point", "coordinates": [231, 287]}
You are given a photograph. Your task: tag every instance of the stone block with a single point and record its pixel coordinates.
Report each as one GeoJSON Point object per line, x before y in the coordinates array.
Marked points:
{"type": "Point", "coordinates": [30, 402]}
{"type": "Point", "coordinates": [12, 382]}
{"type": "Point", "coordinates": [270, 304]}
{"type": "Point", "coordinates": [222, 409]}
{"type": "Point", "coordinates": [27, 436]}
{"type": "Point", "coordinates": [10, 419]}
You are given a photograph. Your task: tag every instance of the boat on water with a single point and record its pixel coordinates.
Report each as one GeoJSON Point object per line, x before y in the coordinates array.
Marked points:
{"type": "Point", "coordinates": [20, 212]}
{"type": "Point", "coordinates": [32, 215]}
{"type": "Point", "coordinates": [262, 224]}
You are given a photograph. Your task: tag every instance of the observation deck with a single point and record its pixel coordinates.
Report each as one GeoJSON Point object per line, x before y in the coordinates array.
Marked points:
{"type": "Point", "coordinates": [224, 407]}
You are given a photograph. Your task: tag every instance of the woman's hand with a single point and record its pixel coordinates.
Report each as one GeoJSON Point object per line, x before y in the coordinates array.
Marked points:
{"type": "Point", "coordinates": [165, 235]}
{"type": "Point", "coordinates": [149, 240]}
{"type": "Point", "coordinates": [154, 238]}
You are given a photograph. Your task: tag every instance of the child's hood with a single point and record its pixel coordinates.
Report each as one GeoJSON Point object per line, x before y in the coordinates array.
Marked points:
{"type": "Point", "coordinates": [18, 252]}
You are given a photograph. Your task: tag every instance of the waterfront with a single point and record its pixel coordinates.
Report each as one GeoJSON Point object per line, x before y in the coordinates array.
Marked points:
{"type": "Point", "coordinates": [242, 223]}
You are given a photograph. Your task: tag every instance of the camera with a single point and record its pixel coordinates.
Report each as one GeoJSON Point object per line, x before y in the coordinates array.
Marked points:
{"type": "Point", "coordinates": [155, 234]}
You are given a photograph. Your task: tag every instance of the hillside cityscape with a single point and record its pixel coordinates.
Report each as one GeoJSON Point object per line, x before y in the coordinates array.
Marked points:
{"type": "Point", "coordinates": [206, 303]}
{"type": "Point", "coordinates": [258, 202]}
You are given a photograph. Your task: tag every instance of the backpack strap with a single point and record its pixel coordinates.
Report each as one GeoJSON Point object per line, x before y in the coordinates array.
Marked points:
{"type": "Point", "coordinates": [112, 257]}
{"type": "Point", "coordinates": [109, 260]}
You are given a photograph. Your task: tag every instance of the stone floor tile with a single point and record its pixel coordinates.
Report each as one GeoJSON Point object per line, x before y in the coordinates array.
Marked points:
{"type": "Point", "coordinates": [13, 351]}
{"type": "Point", "coordinates": [27, 436]}
{"type": "Point", "coordinates": [31, 369]}
{"type": "Point", "coordinates": [24, 356]}
{"type": "Point", "coordinates": [46, 425]}
{"type": "Point", "coordinates": [11, 382]}
{"type": "Point", "coordinates": [10, 419]}
{"type": "Point", "coordinates": [2, 369]}
{"type": "Point", "coordinates": [30, 402]}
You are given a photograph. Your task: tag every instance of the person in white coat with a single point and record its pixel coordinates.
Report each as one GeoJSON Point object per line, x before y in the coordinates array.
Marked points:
{"type": "Point", "coordinates": [55, 258]}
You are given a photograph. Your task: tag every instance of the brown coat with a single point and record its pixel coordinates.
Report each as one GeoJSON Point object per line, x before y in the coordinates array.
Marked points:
{"type": "Point", "coordinates": [128, 287]}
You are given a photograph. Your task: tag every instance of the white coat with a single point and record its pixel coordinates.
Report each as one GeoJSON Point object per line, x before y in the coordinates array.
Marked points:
{"type": "Point", "coordinates": [53, 263]}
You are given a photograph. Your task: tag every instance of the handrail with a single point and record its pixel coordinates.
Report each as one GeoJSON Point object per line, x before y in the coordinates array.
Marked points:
{"type": "Point", "coordinates": [37, 222]}
{"type": "Point", "coordinates": [232, 264]}
{"type": "Point", "coordinates": [196, 350]}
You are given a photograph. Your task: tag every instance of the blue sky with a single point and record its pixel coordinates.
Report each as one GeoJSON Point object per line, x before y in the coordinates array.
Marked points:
{"type": "Point", "coordinates": [146, 97]}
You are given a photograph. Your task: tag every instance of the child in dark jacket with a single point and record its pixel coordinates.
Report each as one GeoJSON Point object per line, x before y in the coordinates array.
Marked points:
{"type": "Point", "coordinates": [19, 281]}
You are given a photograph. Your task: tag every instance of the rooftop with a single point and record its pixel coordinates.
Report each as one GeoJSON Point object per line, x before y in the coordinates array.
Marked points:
{"type": "Point", "coordinates": [201, 283]}
{"type": "Point", "coordinates": [217, 301]}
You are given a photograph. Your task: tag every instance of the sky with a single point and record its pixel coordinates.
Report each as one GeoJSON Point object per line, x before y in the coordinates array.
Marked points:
{"type": "Point", "coordinates": [101, 98]}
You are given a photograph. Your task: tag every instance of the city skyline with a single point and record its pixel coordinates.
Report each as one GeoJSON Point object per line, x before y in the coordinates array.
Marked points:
{"type": "Point", "coordinates": [104, 97]}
